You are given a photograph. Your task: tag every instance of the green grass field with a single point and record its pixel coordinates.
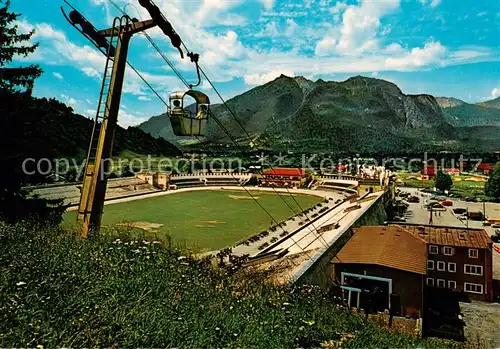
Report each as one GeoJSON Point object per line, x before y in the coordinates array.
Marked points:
{"type": "Point", "coordinates": [204, 220]}
{"type": "Point", "coordinates": [462, 185]}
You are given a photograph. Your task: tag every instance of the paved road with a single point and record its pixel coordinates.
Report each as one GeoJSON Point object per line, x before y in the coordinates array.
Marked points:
{"type": "Point", "coordinates": [419, 215]}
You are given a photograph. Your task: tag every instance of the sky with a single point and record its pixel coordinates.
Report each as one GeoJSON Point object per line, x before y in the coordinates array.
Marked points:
{"type": "Point", "coordinates": [441, 47]}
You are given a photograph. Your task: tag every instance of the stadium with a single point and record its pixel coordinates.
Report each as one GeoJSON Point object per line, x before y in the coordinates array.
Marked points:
{"type": "Point", "coordinates": [205, 212]}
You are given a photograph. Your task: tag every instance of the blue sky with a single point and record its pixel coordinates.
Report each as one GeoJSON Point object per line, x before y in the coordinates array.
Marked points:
{"type": "Point", "coordinates": [440, 47]}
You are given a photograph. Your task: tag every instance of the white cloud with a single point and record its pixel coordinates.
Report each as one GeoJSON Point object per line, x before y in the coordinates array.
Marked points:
{"type": "Point", "coordinates": [144, 98]}
{"type": "Point", "coordinates": [326, 46]}
{"type": "Point", "coordinates": [291, 27]}
{"type": "Point", "coordinates": [126, 119]}
{"type": "Point", "coordinates": [58, 75]}
{"type": "Point", "coordinates": [337, 9]}
{"type": "Point", "coordinates": [495, 92]}
{"type": "Point", "coordinates": [432, 3]}
{"type": "Point", "coordinates": [69, 100]}
{"type": "Point", "coordinates": [89, 71]}
{"type": "Point", "coordinates": [270, 30]}
{"type": "Point", "coordinates": [431, 53]}
{"type": "Point", "coordinates": [259, 79]}
{"type": "Point", "coordinates": [213, 12]}
{"type": "Point", "coordinates": [268, 4]}
{"type": "Point", "coordinates": [394, 48]}
{"type": "Point", "coordinates": [359, 28]}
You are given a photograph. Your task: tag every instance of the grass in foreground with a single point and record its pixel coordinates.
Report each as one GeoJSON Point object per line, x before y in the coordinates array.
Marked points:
{"type": "Point", "coordinates": [206, 220]}
{"type": "Point", "coordinates": [57, 290]}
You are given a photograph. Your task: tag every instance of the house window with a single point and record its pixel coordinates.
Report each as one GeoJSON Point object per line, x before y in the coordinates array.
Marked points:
{"type": "Point", "coordinates": [430, 265]}
{"type": "Point", "coordinates": [473, 269]}
{"type": "Point", "coordinates": [430, 282]}
{"type": "Point", "coordinates": [473, 253]}
{"type": "Point", "coordinates": [441, 266]}
{"type": "Point", "coordinates": [440, 283]}
{"type": "Point", "coordinates": [452, 267]}
{"type": "Point", "coordinates": [433, 249]}
{"type": "Point", "coordinates": [448, 251]}
{"type": "Point", "coordinates": [452, 284]}
{"type": "Point", "coordinates": [473, 288]}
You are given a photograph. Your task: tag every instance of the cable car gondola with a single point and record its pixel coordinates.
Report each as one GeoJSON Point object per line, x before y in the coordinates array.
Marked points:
{"type": "Point", "coordinates": [190, 121]}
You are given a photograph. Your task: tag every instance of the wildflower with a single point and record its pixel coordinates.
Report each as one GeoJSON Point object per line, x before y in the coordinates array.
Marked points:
{"type": "Point", "coordinates": [181, 258]}
{"type": "Point", "coordinates": [156, 242]}
{"type": "Point", "coordinates": [21, 283]}
{"type": "Point", "coordinates": [39, 346]}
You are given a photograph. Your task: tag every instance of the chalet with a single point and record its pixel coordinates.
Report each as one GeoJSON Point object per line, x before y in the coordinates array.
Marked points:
{"type": "Point", "coordinates": [384, 266]}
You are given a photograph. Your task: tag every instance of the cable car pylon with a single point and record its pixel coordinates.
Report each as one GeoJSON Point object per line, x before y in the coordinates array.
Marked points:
{"type": "Point", "coordinates": [101, 145]}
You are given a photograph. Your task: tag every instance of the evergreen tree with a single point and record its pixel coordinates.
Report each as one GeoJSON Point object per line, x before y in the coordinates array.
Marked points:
{"type": "Point", "coordinates": [492, 187]}
{"type": "Point", "coordinates": [13, 44]}
{"type": "Point", "coordinates": [443, 181]}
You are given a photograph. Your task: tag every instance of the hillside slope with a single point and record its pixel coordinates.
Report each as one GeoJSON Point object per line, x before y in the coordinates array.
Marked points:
{"type": "Point", "coordinates": [41, 128]}
{"type": "Point", "coordinates": [494, 103]}
{"type": "Point", "coordinates": [359, 114]}
{"type": "Point", "coordinates": [461, 114]}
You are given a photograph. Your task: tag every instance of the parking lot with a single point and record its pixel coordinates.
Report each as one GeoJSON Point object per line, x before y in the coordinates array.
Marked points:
{"type": "Point", "coordinates": [418, 214]}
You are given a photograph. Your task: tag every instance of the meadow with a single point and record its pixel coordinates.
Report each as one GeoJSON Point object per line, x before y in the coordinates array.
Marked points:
{"type": "Point", "coordinates": [203, 220]}
{"type": "Point", "coordinates": [463, 186]}
{"type": "Point", "coordinates": [57, 290]}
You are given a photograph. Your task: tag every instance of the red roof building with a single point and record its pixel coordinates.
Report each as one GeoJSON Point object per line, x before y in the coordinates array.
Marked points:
{"type": "Point", "coordinates": [452, 171]}
{"type": "Point", "coordinates": [285, 172]}
{"type": "Point", "coordinates": [283, 177]}
{"type": "Point", "coordinates": [486, 168]}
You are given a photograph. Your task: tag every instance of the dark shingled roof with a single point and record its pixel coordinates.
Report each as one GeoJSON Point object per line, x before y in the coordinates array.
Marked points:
{"type": "Point", "coordinates": [451, 236]}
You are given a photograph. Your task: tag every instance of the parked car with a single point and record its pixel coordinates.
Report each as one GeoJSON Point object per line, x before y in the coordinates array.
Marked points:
{"type": "Point", "coordinates": [460, 211]}
{"type": "Point", "coordinates": [447, 203]}
{"type": "Point", "coordinates": [495, 225]}
{"type": "Point", "coordinates": [436, 206]}
{"type": "Point", "coordinates": [413, 199]}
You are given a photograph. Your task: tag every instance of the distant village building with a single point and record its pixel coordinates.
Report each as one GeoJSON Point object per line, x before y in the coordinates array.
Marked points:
{"type": "Point", "coordinates": [428, 173]}
{"type": "Point", "coordinates": [282, 177]}
{"type": "Point", "coordinates": [161, 180]}
{"type": "Point", "coordinates": [485, 168]}
{"type": "Point", "coordinates": [452, 171]}
{"type": "Point", "coordinates": [145, 176]}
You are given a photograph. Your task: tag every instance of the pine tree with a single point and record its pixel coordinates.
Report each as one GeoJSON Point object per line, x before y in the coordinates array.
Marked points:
{"type": "Point", "coordinates": [11, 45]}
{"type": "Point", "coordinates": [443, 181]}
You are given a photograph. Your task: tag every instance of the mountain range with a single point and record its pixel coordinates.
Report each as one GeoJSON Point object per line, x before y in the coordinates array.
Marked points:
{"type": "Point", "coordinates": [360, 114]}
